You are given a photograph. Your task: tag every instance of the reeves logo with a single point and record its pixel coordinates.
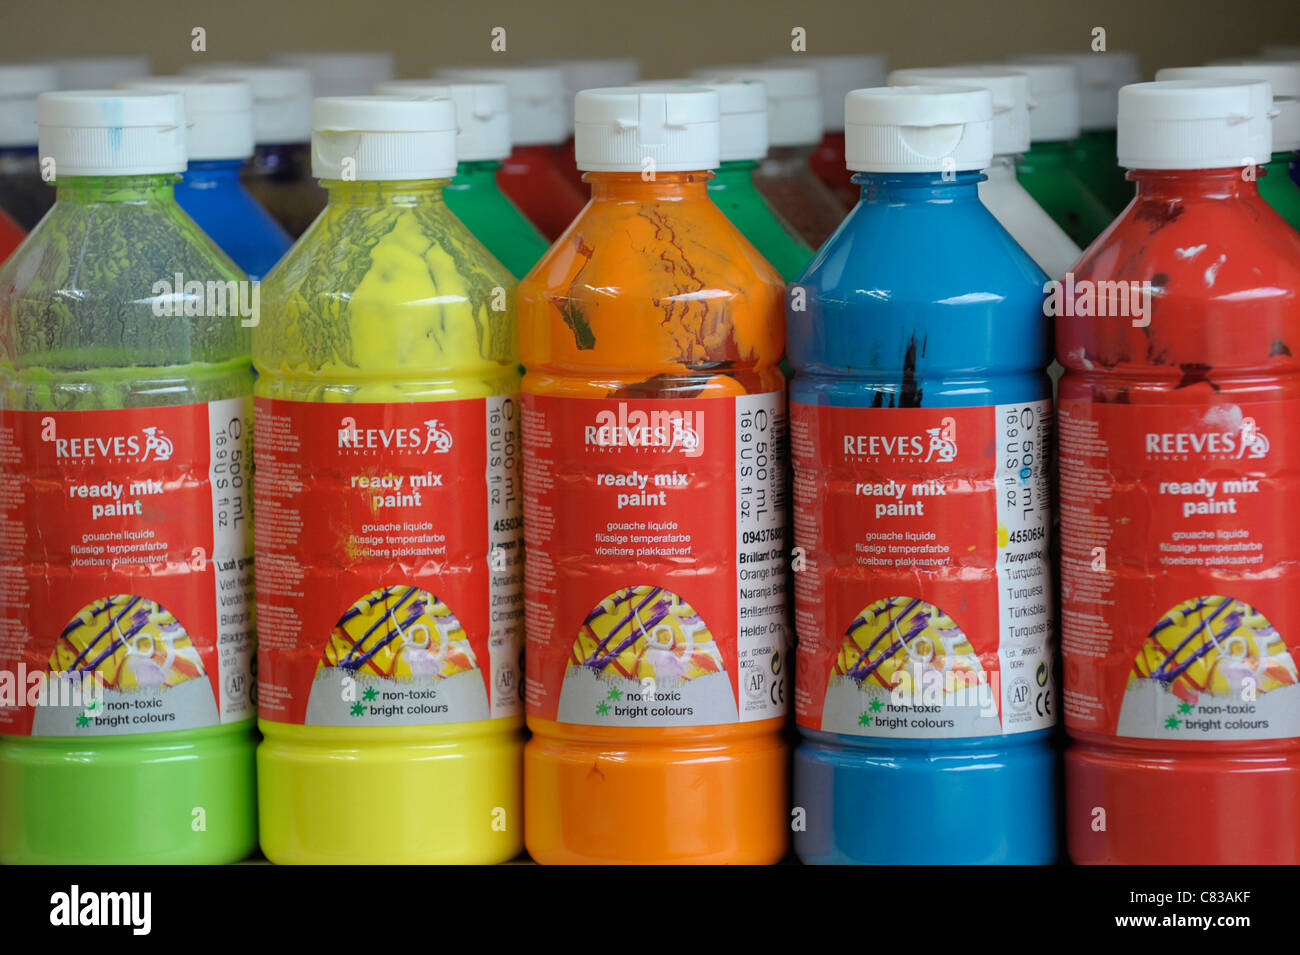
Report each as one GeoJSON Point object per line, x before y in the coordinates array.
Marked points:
{"type": "Point", "coordinates": [1249, 442]}
{"type": "Point", "coordinates": [658, 430]}
{"type": "Point", "coordinates": [938, 445]}
{"type": "Point", "coordinates": [150, 444]}
{"type": "Point", "coordinates": [433, 438]}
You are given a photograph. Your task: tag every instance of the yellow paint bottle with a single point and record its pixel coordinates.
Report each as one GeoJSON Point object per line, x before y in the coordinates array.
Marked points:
{"type": "Point", "coordinates": [389, 537]}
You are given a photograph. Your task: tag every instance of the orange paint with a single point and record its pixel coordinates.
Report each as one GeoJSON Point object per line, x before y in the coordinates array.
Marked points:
{"type": "Point", "coordinates": [651, 294]}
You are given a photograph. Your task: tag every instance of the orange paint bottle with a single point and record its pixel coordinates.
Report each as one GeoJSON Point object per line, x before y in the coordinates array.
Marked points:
{"type": "Point", "coordinates": [654, 429]}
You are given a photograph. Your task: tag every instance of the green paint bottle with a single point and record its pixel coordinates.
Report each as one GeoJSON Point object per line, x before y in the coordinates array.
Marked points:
{"type": "Point", "coordinates": [482, 144]}
{"type": "Point", "coordinates": [1276, 186]}
{"type": "Point", "coordinates": [1045, 170]}
{"type": "Point", "coordinates": [125, 518]}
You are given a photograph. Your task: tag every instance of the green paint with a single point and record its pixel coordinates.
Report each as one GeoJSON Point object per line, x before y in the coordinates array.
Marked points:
{"type": "Point", "coordinates": [79, 333]}
{"type": "Point", "coordinates": [493, 219]}
{"type": "Point", "coordinates": [1044, 173]}
{"type": "Point", "coordinates": [732, 190]}
{"type": "Point", "coordinates": [1093, 160]}
{"type": "Point", "coordinates": [1279, 191]}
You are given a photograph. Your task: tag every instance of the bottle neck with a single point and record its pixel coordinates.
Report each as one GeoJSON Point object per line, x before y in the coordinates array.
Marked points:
{"type": "Point", "coordinates": [1048, 153]}
{"type": "Point", "coordinates": [735, 174]}
{"type": "Point", "coordinates": [88, 190]}
{"type": "Point", "coordinates": [895, 187]}
{"type": "Point", "coordinates": [213, 172]}
{"type": "Point", "coordinates": [1179, 185]}
{"type": "Point", "coordinates": [366, 193]}
{"type": "Point", "coordinates": [631, 187]}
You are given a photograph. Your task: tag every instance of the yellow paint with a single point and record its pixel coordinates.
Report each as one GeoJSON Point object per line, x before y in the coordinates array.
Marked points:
{"type": "Point", "coordinates": [388, 298]}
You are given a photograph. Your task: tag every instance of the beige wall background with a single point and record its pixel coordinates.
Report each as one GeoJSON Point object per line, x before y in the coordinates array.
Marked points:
{"type": "Point", "coordinates": [668, 36]}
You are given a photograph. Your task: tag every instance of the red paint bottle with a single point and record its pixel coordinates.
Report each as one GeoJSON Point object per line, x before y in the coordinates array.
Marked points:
{"type": "Point", "coordinates": [1179, 485]}
{"type": "Point", "coordinates": [532, 175]}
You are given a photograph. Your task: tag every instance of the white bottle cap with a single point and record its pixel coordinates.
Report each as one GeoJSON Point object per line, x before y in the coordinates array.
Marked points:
{"type": "Point", "coordinates": [281, 99]}
{"type": "Point", "coordinates": [482, 114]}
{"type": "Point", "coordinates": [348, 73]}
{"type": "Point", "coordinates": [220, 113]}
{"type": "Point", "coordinates": [1053, 100]}
{"type": "Point", "coordinates": [918, 129]}
{"type": "Point", "coordinates": [618, 129]}
{"type": "Point", "coordinates": [99, 72]}
{"type": "Point", "coordinates": [1100, 77]}
{"type": "Point", "coordinates": [794, 110]}
{"type": "Point", "coordinates": [742, 116]}
{"type": "Point", "coordinates": [582, 75]}
{"type": "Point", "coordinates": [837, 75]}
{"type": "Point", "coordinates": [1282, 76]}
{"type": "Point", "coordinates": [378, 138]}
{"type": "Point", "coordinates": [538, 114]}
{"type": "Point", "coordinates": [112, 132]}
{"type": "Point", "coordinates": [20, 84]}
{"type": "Point", "coordinates": [1010, 89]}
{"type": "Point", "coordinates": [1195, 124]}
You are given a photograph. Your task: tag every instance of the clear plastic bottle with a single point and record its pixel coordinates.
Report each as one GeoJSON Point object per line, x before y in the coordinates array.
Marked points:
{"type": "Point", "coordinates": [125, 399]}
{"type": "Point", "coordinates": [390, 585]}
{"type": "Point", "coordinates": [653, 476]}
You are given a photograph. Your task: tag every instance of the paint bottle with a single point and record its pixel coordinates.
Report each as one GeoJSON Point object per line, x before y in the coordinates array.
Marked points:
{"type": "Point", "coordinates": [1044, 170]}
{"type": "Point", "coordinates": [1092, 156]}
{"type": "Point", "coordinates": [587, 75]}
{"type": "Point", "coordinates": [1180, 597]}
{"type": "Point", "coordinates": [125, 423]}
{"type": "Point", "coordinates": [482, 144]}
{"type": "Point", "coordinates": [342, 72]}
{"type": "Point", "coordinates": [218, 144]}
{"type": "Point", "coordinates": [24, 195]}
{"type": "Point", "coordinates": [532, 175]}
{"type": "Point", "coordinates": [742, 145]}
{"type": "Point", "coordinates": [654, 508]}
{"type": "Point", "coordinates": [1028, 223]}
{"type": "Point", "coordinates": [837, 76]}
{"type": "Point", "coordinates": [920, 419]}
{"type": "Point", "coordinates": [1283, 78]}
{"type": "Point", "coordinates": [794, 128]}
{"type": "Point", "coordinates": [389, 560]}
{"type": "Point", "coordinates": [279, 174]}
{"type": "Point", "coordinates": [99, 72]}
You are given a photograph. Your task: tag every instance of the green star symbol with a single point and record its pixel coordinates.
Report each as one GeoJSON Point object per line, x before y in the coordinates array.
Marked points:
{"type": "Point", "coordinates": [358, 709]}
{"type": "Point", "coordinates": [602, 708]}
{"type": "Point", "coordinates": [370, 694]}
{"type": "Point", "coordinates": [865, 718]}
{"type": "Point", "coordinates": [1172, 723]}
{"type": "Point", "coordinates": [93, 706]}
{"type": "Point", "coordinates": [615, 693]}
{"type": "Point", "coordinates": [877, 706]}
{"type": "Point", "coordinates": [1185, 707]}
{"type": "Point", "coordinates": [83, 721]}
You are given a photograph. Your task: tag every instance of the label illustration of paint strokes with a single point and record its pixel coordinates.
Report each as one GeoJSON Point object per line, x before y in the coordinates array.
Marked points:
{"type": "Point", "coordinates": [390, 584]}
{"type": "Point", "coordinates": [125, 569]}
{"type": "Point", "coordinates": [656, 577]}
{"type": "Point", "coordinates": [1180, 569]}
{"type": "Point", "coordinates": [925, 607]}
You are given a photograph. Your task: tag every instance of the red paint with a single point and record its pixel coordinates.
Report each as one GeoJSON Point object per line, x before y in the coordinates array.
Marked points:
{"type": "Point", "coordinates": [827, 162]}
{"type": "Point", "coordinates": [567, 160]}
{"type": "Point", "coordinates": [535, 181]}
{"type": "Point", "coordinates": [1221, 344]}
{"type": "Point", "coordinates": [11, 236]}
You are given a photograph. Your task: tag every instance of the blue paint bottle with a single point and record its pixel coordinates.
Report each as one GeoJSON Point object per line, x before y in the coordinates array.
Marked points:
{"type": "Point", "coordinates": [220, 141]}
{"type": "Point", "coordinates": [920, 426]}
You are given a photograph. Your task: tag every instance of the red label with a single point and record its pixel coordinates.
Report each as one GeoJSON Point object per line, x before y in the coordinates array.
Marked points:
{"type": "Point", "coordinates": [1180, 561]}
{"type": "Point", "coordinates": [389, 578]}
{"type": "Point", "coordinates": [125, 539]}
{"type": "Point", "coordinates": [924, 607]}
{"type": "Point", "coordinates": [656, 576]}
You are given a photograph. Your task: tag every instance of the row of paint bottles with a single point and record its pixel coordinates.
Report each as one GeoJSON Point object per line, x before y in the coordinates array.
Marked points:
{"type": "Point", "coordinates": [1175, 426]}
{"type": "Point", "coordinates": [126, 512]}
{"type": "Point", "coordinates": [653, 420]}
{"type": "Point", "coordinates": [919, 346]}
